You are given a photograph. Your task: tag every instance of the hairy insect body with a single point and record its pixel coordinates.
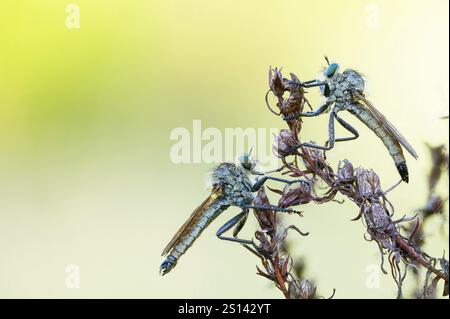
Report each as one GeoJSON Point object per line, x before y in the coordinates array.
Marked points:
{"type": "Point", "coordinates": [197, 226]}
{"type": "Point", "coordinates": [235, 182]}
{"type": "Point", "coordinates": [373, 124]}
{"type": "Point", "coordinates": [231, 186]}
{"type": "Point", "coordinates": [341, 86]}
{"type": "Point", "coordinates": [341, 90]}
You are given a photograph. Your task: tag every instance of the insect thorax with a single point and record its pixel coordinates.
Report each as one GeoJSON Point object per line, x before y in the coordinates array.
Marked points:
{"type": "Point", "coordinates": [235, 182]}
{"type": "Point", "coordinates": [342, 86]}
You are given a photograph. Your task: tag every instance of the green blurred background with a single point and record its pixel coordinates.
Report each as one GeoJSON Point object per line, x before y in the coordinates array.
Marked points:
{"type": "Point", "coordinates": [85, 118]}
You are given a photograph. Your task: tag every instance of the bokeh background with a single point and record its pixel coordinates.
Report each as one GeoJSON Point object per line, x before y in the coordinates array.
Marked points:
{"type": "Point", "coordinates": [85, 118]}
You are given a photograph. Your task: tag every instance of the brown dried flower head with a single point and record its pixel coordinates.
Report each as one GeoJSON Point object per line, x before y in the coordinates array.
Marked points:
{"type": "Point", "coordinates": [285, 142]}
{"type": "Point", "coordinates": [368, 183]}
{"type": "Point", "coordinates": [379, 223]}
{"type": "Point", "coordinates": [296, 194]}
{"type": "Point", "coordinates": [302, 289]}
{"type": "Point", "coordinates": [345, 170]}
{"type": "Point", "coordinates": [276, 82]}
{"type": "Point", "coordinates": [266, 218]}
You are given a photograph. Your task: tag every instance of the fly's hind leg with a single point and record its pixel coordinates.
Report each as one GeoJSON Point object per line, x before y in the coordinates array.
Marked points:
{"type": "Point", "coordinates": [238, 221]}
{"type": "Point", "coordinates": [240, 224]}
{"type": "Point", "coordinates": [331, 138]}
{"type": "Point", "coordinates": [348, 127]}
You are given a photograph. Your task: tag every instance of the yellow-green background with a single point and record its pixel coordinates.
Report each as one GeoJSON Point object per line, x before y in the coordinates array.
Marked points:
{"type": "Point", "coordinates": [85, 117]}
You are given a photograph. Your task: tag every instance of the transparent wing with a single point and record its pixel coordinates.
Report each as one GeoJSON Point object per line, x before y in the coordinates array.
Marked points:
{"type": "Point", "coordinates": [387, 125]}
{"type": "Point", "coordinates": [216, 193]}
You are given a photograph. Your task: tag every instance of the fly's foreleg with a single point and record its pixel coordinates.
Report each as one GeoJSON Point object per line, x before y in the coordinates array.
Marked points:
{"type": "Point", "coordinates": [261, 182]}
{"type": "Point", "coordinates": [317, 112]}
{"type": "Point", "coordinates": [313, 83]}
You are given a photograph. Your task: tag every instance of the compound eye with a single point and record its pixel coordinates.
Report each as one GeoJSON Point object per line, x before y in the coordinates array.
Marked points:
{"type": "Point", "coordinates": [245, 161]}
{"type": "Point", "coordinates": [331, 70]}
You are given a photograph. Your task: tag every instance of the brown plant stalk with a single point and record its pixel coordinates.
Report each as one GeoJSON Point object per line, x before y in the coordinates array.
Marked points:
{"type": "Point", "coordinates": [310, 170]}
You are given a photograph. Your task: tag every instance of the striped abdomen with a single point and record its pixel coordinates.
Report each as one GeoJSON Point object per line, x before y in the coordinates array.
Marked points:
{"type": "Point", "coordinates": [391, 143]}
{"type": "Point", "coordinates": [192, 230]}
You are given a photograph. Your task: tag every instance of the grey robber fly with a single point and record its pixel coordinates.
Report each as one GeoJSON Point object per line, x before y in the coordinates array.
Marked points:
{"type": "Point", "coordinates": [231, 186]}
{"type": "Point", "coordinates": [346, 91]}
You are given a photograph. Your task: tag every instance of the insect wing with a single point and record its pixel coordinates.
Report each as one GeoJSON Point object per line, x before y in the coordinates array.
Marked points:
{"type": "Point", "coordinates": [216, 193]}
{"type": "Point", "coordinates": [388, 126]}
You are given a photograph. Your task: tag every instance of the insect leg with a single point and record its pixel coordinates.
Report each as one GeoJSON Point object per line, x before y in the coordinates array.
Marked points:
{"type": "Point", "coordinates": [271, 207]}
{"type": "Point", "coordinates": [331, 139]}
{"type": "Point", "coordinates": [261, 182]}
{"type": "Point", "coordinates": [317, 112]}
{"type": "Point", "coordinates": [240, 223]}
{"type": "Point", "coordinates": [236, 220]}
{"type": "Point", "coordinates": [348, 127]}
{"type": "Point", "coordinates": [276, 170]}
{"type": "Point", "coordinates": [313, 83]}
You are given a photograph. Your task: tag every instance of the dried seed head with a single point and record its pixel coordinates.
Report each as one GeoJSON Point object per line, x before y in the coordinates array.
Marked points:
{"type": "Point", "coordinates": [276, 82]}
{"type": "Point", "coordinates": [307, 289]}
{"type": "Point", "coordinates": [295, 194]}
{"type": "Point", "coordinates": [301, 289]}
{"type": "Point", "coordinates": [379, 223]}
{"type": "Point", "coordinates": [265, 248]}
{"type": "Point", "coordinates": [444, 265]}
{"type": "Point", "coordinates": [266, 219]}
{"type": "Point", "coordinates": [295, 79]}
{"type": "Point", "coordinates": [345, 170]}
{"type": "Point", "coordinates": [285, 142]}
{"type": "Point", "coordinates": [368, 183]}
{"type": "Point", "coordinates": [317, 159]}
{"type": "Point", "coordinates": [377, 218]}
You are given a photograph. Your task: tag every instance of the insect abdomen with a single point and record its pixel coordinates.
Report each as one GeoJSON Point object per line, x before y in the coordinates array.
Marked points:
{"type": "Point", "coordinates": [393, 146]}
{"type": "Point", "coordinates": [403, 171]}
{"type": "Point", "coordinates": [192, 233]}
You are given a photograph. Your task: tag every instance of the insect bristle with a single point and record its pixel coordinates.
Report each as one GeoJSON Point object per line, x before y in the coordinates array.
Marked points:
{"type": "Point", "coordinates": [219, 173]}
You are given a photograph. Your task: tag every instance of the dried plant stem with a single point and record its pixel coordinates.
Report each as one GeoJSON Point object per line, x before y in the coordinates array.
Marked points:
{"type": "Point", "coordinates": [406, 246]}
{"type": "Point", "coordinates": [279, 278]}
{"type": "Point", "coordinates": [403, 244]}
{"type": "Point", "coordinates": [360, 185]}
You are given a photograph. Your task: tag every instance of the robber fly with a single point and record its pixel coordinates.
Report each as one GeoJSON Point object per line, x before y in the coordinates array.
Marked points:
{"type": "Point", "coordinates": [231, 186]}
{"type": "Point", "coordinates": [346, 91]}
